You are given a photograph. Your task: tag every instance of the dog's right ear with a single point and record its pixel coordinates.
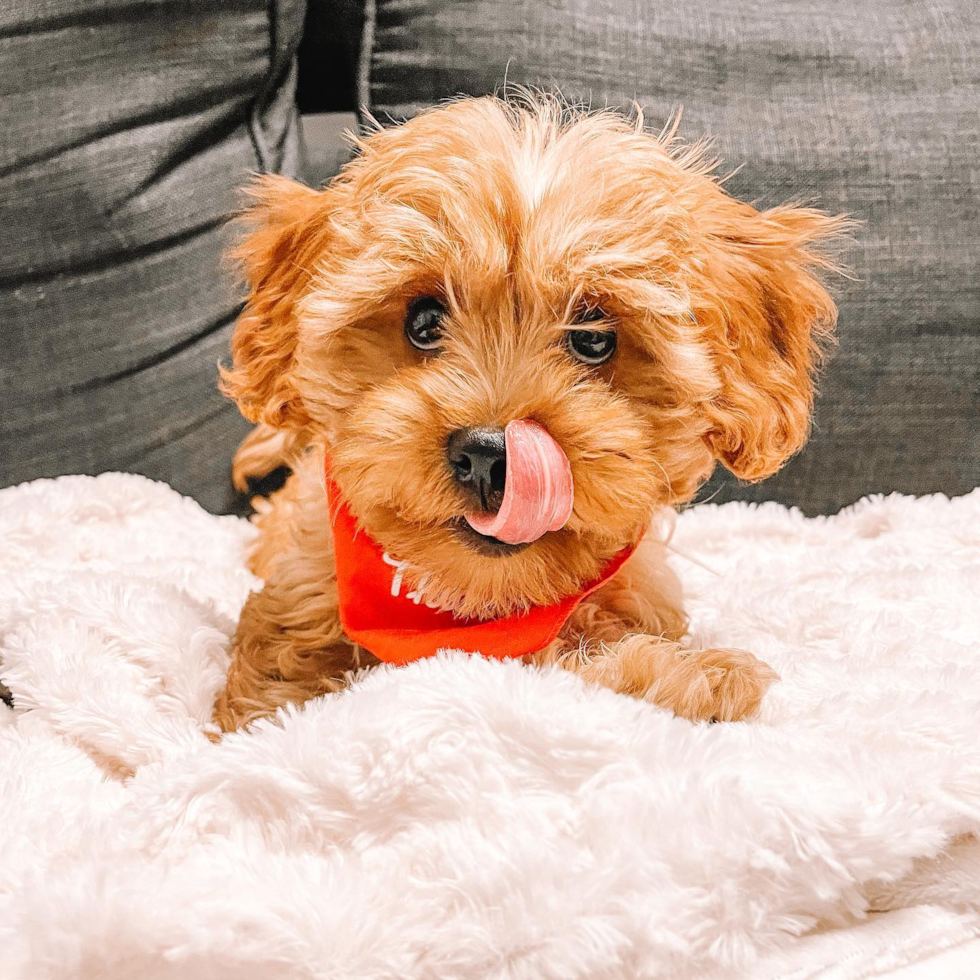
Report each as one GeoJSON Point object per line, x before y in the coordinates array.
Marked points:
{"type": "Point", "coordinates": [286, 227]}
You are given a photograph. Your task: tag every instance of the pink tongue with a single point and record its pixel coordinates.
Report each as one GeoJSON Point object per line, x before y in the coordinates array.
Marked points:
{"type": "Point", "coordinates": [537, 491]}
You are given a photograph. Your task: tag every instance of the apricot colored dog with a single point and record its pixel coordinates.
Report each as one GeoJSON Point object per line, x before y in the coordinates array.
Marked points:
{"type": "Point", "coordinates": [518, 334]}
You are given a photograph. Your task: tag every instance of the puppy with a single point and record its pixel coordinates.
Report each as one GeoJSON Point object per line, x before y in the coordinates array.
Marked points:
{"type": "Point", "coordinates": [496, 350]}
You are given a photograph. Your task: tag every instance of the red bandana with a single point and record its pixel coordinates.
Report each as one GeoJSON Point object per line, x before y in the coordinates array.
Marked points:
{"type": "Point", "coordinates": [380, 614]}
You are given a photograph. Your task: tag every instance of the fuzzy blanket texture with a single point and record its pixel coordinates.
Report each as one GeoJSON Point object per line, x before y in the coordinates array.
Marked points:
{"type": "Point", "coordinates": [463, 818]}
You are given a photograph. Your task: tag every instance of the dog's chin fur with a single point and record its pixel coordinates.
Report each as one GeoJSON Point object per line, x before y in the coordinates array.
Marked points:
{"type": "Point", "coordinates": [519, 216]}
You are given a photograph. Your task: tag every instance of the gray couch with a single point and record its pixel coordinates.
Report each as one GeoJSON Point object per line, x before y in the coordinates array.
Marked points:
{"type": "Point", "coordinates": [130, 129]}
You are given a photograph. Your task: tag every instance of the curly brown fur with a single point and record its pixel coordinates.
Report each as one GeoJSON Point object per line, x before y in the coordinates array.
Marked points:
{"type": "Point", "coordinates": [517, 216]}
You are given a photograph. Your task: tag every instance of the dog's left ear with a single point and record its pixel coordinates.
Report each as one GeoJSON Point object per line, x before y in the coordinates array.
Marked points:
{"type": "Point", "coordinates": [767, 315]}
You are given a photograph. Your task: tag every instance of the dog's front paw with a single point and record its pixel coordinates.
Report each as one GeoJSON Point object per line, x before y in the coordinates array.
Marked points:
{"type": "Point", "coordinates": [713, 685]}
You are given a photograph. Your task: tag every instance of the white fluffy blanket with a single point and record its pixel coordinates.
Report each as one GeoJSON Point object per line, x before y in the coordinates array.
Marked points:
{"type": "Point", "coordinates": [470, 819]}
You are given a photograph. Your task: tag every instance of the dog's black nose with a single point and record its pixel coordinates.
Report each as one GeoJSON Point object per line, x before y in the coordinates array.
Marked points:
{"type": "Point", "coordinates": [478, 460]}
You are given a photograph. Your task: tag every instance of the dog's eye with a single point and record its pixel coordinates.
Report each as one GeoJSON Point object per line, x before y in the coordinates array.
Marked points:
{"type": "Point", "coordinates": [591, 346]}
{"type": "Point", "coordinates": [423, 323]}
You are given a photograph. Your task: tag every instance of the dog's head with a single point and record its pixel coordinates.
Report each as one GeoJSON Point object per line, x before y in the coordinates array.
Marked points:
{"type": "Point", "coordinates": [488, 263]}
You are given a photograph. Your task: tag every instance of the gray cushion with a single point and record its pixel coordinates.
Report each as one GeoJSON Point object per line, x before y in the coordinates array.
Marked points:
{"type": "Point", "coordinates": [868, 108]}
{"type": "Point", "coordinates": [129, 130]}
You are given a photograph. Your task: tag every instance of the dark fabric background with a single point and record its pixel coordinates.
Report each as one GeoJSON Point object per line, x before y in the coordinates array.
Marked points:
{"type": "Point", "coordinates": [128, 130]}
{"type": "Point", "coordinates": [871, 108]}
{"type": "Point", "coordinates": [328, 56]}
